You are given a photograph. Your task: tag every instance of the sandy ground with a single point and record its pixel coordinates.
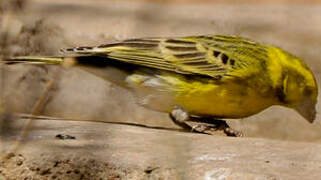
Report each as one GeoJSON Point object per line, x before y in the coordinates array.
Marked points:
{"type": "Point", "coordinates": [43, 27]}
{"type": "Point", "coordinates": [111, 151]}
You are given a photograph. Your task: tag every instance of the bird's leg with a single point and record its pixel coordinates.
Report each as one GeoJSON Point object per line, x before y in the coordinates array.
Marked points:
{"type": "Point", "coordinates": [180, 117]}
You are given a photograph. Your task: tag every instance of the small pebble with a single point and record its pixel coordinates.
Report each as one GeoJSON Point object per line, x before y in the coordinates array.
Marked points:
{"type": "Point", "coordinates": [64, 136]}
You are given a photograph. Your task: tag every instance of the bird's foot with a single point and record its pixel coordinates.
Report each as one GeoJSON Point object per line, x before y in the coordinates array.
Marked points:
{"type": "Point", "coordinates": [203, 125]}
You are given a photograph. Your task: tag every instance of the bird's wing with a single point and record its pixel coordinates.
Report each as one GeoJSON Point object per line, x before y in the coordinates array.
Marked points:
{"type": "Point", "coordinates": [216, 56]}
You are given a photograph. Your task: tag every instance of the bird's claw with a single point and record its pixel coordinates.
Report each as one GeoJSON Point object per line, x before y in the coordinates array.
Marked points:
{"type": "Point", "coordinates": [202, 128]}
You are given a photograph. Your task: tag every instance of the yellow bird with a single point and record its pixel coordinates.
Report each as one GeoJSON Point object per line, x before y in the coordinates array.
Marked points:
{"type": "Point", "coordinates": [217, 76]}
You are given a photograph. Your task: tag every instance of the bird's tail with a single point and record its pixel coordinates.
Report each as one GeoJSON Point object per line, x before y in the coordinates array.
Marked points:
{"type": "Point", "coordinates": [34, 60]}
{"type": "Point", "coordinates": [109, 69]}
{"type": "Point", "coordinates": [53, 60]}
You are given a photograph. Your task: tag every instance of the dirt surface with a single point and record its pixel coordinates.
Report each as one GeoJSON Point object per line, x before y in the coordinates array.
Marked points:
{"type": "Point", "coordinates": [114, 151]}
{"type": "Point", "coordinates": [111, 151]}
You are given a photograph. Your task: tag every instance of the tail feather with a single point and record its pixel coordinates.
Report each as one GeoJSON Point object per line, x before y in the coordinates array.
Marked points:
{"type": "Point", "coordinates": [33, 60]}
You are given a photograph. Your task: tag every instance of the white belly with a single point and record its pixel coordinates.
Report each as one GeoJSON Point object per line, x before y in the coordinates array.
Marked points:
{"type": "Point", "coordinates": [151, 92]}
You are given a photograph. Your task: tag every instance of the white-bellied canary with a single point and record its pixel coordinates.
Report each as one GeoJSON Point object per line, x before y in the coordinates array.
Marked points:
{"type": "Point", "coordinates": [217, 76]}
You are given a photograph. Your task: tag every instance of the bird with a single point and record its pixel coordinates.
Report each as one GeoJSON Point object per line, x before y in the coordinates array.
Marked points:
{"type": "Point", "coordinates": [203, 76]}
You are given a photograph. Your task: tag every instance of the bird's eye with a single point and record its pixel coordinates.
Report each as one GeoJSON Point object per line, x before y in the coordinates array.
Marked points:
{"type": "Point", "coordinates": [307, 92]}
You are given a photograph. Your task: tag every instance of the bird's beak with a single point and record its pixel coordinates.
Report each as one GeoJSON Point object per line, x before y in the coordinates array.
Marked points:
{"type": "Point", "coordinates": [307, 110]}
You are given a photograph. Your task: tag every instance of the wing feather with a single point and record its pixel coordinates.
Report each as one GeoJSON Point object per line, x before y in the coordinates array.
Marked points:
{"type": "Point", "coordinates": [211, 55]}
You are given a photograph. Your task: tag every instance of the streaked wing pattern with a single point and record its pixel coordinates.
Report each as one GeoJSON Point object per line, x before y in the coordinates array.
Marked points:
{"type": "Point", "coordinates": [213, 55]}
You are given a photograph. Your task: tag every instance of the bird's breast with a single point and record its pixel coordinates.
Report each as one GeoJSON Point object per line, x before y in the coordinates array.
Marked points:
{"type": "Point", "coordinates": [228, 100]}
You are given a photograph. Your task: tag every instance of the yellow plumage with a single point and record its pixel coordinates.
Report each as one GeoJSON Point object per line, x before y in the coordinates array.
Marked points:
{"type": "Point", "coordinates": [228, 100]}
{"type": "Point", "coordinates": [214, 75]}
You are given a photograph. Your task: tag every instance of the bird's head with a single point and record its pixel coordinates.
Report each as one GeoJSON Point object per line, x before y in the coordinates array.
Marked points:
{"type": "Point", "coordinates": [299, 89]}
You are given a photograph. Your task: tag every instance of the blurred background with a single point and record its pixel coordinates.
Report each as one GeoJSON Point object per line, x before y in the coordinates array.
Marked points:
{"type": "Point", "coordinates": [42, 27]}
